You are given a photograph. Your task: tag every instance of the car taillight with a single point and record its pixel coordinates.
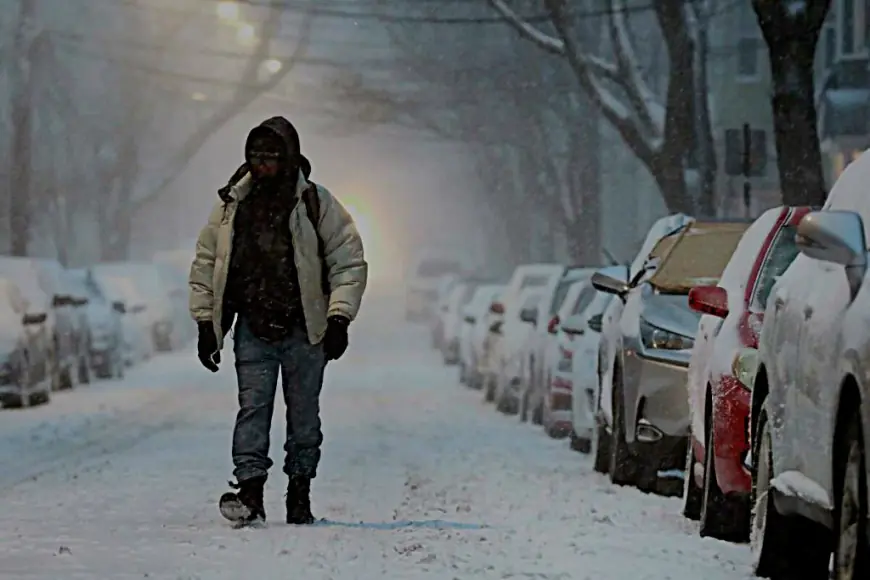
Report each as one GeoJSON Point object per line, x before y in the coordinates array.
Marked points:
{"type": "Point", "coordinates": [553, 326]}
{"type": "Point", "coordinates": [565, 353]}
{"type": "Point", "coordinates": [496, 308]}
{"type": "Point", "coordinates": [749, 328]}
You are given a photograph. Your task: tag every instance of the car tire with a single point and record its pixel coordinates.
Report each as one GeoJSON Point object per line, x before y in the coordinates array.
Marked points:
{"type": "Point", "coordinates": [84, 372]}
{"type": "Point", "coordinates": [624, 465]}
{"type": "Point", "coordinates": [722, 517]}
{"type": "Point", "coordinates": [488, 389]}
{"type": "Point", "coordinates": [693, 494]}
{"type": "Point", "coordinates": [580, 444]}
{"type": "Point", "coordinates": [782, 547]}
{"type": "Point", "coordinates": [601, 448]}
{"type": "Point", "coordinates": [851, 554]}
{"type": "Point", "coordinates": [524, 406]}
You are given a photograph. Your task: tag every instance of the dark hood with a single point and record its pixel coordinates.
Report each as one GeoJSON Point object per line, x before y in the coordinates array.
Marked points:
{"type": "Point", "coordinates": [288, 134]}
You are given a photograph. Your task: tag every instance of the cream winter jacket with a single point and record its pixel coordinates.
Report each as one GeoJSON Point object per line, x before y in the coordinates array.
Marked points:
{"type": "Point", "coordinates": [343, 255]}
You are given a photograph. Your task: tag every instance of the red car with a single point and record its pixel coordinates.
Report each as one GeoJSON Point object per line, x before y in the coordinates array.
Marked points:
{"type": "Point", "coordinates": [717, 483]}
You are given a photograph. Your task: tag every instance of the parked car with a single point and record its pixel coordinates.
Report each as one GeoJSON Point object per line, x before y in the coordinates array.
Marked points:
{"type": "Point", "coordinates": [610, 331]}
{"type": "Point", "coordinates": [500, 351]}
{"type": "Point", "coordinates": [25, 349]}
{"type": "Point", "coordinates": [136, 324]}
{"type": "Point", "coordinates": [649, 416]}
{"type": "Point", "coordinates": [424, 278]}
{"type": "Point", "coordinates": [452, 319]}
{"type": "Point", "coordinates": [577, 364]}
{"type": "Point", "coordinates": [717, 483]}
{"type": "Point", "coordinates": [443, 288]}
{"type": "Point", "coordinates": [475, 327]}
{"type": "Point", "coordinates": [516, 328]}
{"type": "Point", "coordinates": [62, 321]}
{"type": "Point", "coordinates": [809, 420]}
{"type": "Point", "coordinates": [106, 345]}
{"type": "Point", "coordinates": [159, 314]}
{"type": "Point", "coordinates": [536, 383]}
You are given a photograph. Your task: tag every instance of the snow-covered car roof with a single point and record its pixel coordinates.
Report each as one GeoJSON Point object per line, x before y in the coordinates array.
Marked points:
{"type": "Point", "coordinates": [24, 273]}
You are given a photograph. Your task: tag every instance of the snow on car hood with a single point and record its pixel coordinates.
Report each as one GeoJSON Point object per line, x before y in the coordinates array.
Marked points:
{"type": "Point", "coordinates": [670, 312]}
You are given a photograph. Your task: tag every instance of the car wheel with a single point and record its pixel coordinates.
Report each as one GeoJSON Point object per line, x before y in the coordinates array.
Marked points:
{"type": "Point", "coordinates": [624, 465]}
{"type": "Point", "coordinates": [851, 557]}
{"type": "Point", "coordinates": [538, 413]}
{"type": "Point", "coordinates": [693, 495]}
{"type": "Point", "coordinates": [524, 406]}
{"type": "Point", "coordinates": [580, 444]}
{"type": "Point", "coordinates": [782, 547]}
{"type": "Point", "coordinates": [601, 446]}
{"type": "Point", "coordinates": [489, 389]}
{"type": "Point", "coordinates": [722, 517]}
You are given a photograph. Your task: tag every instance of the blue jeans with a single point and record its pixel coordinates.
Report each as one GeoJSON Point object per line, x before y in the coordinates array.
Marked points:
{"type": "Point", "coordinates": [257, 364]}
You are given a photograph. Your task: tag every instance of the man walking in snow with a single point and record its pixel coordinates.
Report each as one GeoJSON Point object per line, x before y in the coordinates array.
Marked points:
{"type": "Point", "coordinates": [282, 257]}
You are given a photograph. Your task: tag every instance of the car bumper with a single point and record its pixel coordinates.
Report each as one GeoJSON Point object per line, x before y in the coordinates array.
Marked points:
{"type": "Point", "coordinates": [661, 396]}
{"type": "Point", "coordinates": [731, 416]}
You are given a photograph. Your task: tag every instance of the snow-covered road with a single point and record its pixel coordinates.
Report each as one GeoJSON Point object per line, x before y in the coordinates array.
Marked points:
{"type": "Point", "coordinates": [419, 480]}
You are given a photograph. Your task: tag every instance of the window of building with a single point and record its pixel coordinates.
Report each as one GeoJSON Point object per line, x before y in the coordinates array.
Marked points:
{"type": "Point", "coordinates": [749, 43]}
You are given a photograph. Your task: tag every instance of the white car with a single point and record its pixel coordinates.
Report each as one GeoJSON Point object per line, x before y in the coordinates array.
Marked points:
{"type": "Point", "coordinates": [136, 323]}
{"type": "Point", "coordinates": [475, 326]}
{"type": "Point", "coordinates": [809, 420]}
{"type": "Point", "coordinates": [536, 383]}
{"type": "Point", "coordinates": [423, 281]}
{"type": "Point", "coordinates": [452, 320]}
{"type": "Point", "coordinates": [524, 277]}
{"type": "Point", "coordinates": [442, 294]}
{"type": "Point", "coordinates": [517, 328]}
{"type": "Point", "coordinates": [583, 327]}
{"type": "Point", "coordinates": [106, 346]}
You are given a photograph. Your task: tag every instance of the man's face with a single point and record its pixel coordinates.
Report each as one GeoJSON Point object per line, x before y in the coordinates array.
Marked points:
{"type": "Point", "coordinates": [266, 158]}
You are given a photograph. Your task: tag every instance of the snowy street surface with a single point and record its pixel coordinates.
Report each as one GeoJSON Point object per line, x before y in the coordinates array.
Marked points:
{"type": "Point", "coordinates": [418, 480]}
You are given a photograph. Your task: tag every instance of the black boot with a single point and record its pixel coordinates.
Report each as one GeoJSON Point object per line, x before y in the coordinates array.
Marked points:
{"type": "Point", "coordinates": [246, 505]}
{"type": "Point", "coordinates": [299, 501]}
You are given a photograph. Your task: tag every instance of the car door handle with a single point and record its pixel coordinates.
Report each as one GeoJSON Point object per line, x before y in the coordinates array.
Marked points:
{"type": "Point", "coordinates": [808, 312]}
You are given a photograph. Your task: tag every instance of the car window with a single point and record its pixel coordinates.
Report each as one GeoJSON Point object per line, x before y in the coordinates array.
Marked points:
{"type": "Point", "coordinates": [587, 295]}
{"type": "Point", "coordinates": [783, 251]}
{"type": "Point", "coordinates": [559, 296]}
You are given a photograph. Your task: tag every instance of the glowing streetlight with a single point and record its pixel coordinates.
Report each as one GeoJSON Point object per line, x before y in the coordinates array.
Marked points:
{"type": "Point", "coordinates": [246, 35]}
{"type": "Point", "coordinates": [228, 10]}
{"type": "Point", "coordinates": [273, 65]}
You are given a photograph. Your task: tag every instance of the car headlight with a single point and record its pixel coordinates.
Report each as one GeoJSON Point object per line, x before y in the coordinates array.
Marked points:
{"type": "Point", "coordinates": [654, 337]}
{"type": "Point", "coordinates": [745, 366]}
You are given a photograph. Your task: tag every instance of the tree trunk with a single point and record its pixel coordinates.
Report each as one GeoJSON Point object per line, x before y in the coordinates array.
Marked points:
{"type": "Point", "coordinates": [583, 229]}
{"type": "Point", "coordinates": [20, 207]}
{"type": "Point", "coordinates": [706, 148]}
{"type": "Point", "coordinates": [795, 122]}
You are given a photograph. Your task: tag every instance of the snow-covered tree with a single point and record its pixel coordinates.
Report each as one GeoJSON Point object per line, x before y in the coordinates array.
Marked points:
{"type": "Point", "coordinates": [669, 133]}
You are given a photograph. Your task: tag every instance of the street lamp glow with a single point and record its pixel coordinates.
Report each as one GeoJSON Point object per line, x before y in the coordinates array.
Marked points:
{"type": "Point", "coordinates": [228, 10]}
{"type": "Point", "coordinates": [273, 65]}
{"type": "Point", "coordinates": [246, 35]}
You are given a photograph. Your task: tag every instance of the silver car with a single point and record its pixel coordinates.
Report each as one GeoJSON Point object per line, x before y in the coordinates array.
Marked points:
{"type": "Point", "coordinates": [646, 430]}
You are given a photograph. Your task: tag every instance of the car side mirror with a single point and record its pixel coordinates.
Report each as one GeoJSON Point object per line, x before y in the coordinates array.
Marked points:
{"type": "Point", "coordinates": [119, 307]}
{"type": "Point", "coordinates": [470, 319]}
{"type": "Point", "coordinates": [709, 300]}
{"type": "Point", "coordinates": [596, 323]}
{"type": "Point", "coordinates": [139, 308]}
{"type": "Point", "coordinates": [495, 327]}
{"type": "Point", "coordinates": [838, 237]}
{"type": "Point", "coordinates": [529, 315]}
{"type": "Point", "coordinates": [609, 284]}
{"type": "Point", "coordinates": [34, 319]}
{"type": "Point", "coordinates": [573, 326]}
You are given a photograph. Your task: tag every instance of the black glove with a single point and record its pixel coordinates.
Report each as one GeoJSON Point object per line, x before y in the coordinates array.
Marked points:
{"type": "Point", "coordinates": [206, 346]}
{"type": "Point", "coordinates": [335, 340]}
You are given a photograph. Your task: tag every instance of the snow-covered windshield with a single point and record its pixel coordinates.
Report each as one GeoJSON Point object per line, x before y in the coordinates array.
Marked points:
{"type": "Point", "coordinates": [782, 253]}
{"type": "Point", "coordinates": [696, 257]}
{"type": "Point", "coordinates": [534, 281]}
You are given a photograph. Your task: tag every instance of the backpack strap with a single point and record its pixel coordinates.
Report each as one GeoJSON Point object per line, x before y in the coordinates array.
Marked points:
{"type": "Point", "coordinates": [312, 207]}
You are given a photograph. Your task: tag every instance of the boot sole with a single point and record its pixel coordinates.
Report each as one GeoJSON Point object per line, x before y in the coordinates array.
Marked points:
{"type": "Point", "coordinates": [238, 513]}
